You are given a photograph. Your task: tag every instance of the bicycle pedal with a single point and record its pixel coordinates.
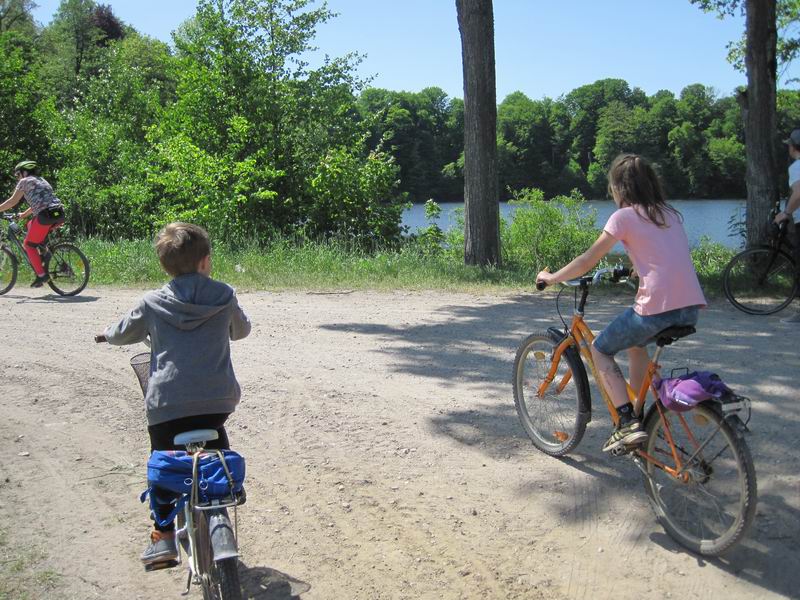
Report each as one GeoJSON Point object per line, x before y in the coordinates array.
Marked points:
{"type": "Point", "coordinates": [623, 450]}
{"type": "Point", "coordinates": [164, 564]}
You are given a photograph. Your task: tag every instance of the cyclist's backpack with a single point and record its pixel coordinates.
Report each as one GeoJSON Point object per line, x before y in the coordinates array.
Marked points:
{"type": "Point", "coordinates": [220, 475]}
{"type": "Point", "coordinates": [683, 393]}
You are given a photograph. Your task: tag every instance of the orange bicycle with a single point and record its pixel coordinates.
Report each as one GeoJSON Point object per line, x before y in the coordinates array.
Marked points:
{"type": "Point", "coordinates": [697, 468]}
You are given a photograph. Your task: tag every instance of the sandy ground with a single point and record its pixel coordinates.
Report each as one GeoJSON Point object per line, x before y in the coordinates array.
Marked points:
{"type": "Point", "coordinates": [385, 458]}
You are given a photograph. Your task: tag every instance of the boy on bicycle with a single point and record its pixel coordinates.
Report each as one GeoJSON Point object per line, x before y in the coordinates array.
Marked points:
{"type": "Point", "coordinates": [190, 322]}
{"type": "Point", "coordinates": [47, 211]}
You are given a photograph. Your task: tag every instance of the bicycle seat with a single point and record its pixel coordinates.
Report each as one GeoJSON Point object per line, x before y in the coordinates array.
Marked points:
{"type": "Point", "coordinates": [666, 336]}
{"type": "Point", "coordinates": [196, 436]}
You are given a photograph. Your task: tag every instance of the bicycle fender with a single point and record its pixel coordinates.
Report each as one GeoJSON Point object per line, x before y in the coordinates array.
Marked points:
{"type": "Point", "coordinates": [558, 335]}
{"type": "Point", "coordinates": [223, 540]}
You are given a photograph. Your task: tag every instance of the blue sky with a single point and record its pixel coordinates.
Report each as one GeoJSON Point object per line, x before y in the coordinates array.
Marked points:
{"type": "Point", "coordinates": [542, 47]}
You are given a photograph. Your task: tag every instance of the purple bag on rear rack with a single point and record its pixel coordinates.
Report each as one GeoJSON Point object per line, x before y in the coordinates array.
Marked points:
{"type": "Point", "coordinates": [683, 393]}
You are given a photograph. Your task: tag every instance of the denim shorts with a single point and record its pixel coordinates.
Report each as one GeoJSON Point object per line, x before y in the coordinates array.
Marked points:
{"type": "Point", "coordinates": [631, 329]}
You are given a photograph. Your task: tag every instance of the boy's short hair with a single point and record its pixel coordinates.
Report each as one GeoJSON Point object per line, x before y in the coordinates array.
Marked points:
{"type": "Point", "coordinates": [181, 247]}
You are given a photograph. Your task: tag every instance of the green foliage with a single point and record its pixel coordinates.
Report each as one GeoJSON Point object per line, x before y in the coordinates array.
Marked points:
{"type": "Point", "coordinates": [431, 238]}
{"type": "Point", "coordinates": [25, 111]}
{"type": "Point", "coordinates": [709, 260]}
{"type": "Point", "coordinates": [233, 130]}
{"type": "Point", "coordinates": [547, 233]}
{"type": "Point", "coordinates": [347, 195]}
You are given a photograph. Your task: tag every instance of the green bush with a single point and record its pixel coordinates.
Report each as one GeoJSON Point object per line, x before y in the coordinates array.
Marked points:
{"type": "Point", "coordinates": [546, 233]}
{"type": "Point", "coordinates": [710, 259]}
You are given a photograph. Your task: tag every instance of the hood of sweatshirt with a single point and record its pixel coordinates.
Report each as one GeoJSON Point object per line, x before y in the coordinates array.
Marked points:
{"type": "Point", "coordinates": [189, 300]}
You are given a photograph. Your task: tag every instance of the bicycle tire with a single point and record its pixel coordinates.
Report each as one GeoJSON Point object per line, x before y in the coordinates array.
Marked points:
{"type": "Point", "coordinates": [219, 579]}
{"type": "Point", "coordinates": [228, 576]}
{"type": "Point", "coordinates": [761, 280]}
{"type": "Point", "coordinates": [8, 269]}
{"type": "Point", "coordinates": [67, 264]}
{"type": "Point", "coordinates": [718, 465]}
{"type": "Point", "coordinates": [553, 436]}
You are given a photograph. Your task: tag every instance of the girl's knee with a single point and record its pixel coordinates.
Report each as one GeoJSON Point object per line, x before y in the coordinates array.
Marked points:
{"type": "Point", "coordinates": [598, 352]}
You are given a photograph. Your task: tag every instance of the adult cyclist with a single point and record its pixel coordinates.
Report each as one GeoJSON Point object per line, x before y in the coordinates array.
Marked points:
{"type": "Point", "coordinates": [46, 210]}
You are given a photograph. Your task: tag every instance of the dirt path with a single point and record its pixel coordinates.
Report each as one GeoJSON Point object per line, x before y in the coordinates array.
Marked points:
{"type": "Point", "coordinates": [385, 459]}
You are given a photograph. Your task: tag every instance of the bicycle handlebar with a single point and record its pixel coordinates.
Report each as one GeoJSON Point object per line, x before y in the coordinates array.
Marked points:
{"type": "Point", "coordinates": [100, 339]}
{"type": "Point", "coordinates": [617, 273]}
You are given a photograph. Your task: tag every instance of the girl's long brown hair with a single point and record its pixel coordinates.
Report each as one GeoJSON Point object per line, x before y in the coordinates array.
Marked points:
{"type": "Point", "coordinates": [636, 184]}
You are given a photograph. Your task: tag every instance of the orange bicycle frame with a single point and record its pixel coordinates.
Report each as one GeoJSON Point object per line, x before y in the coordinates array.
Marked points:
{"type": "Point", "coordinates": [582, 337]}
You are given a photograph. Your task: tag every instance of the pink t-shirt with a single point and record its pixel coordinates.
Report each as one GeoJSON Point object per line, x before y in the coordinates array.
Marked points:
{"type": "Point", "coordinates": [661, 257]}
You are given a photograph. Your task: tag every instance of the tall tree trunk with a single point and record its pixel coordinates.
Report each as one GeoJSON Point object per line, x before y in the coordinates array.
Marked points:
{"type": "Point", "coordinates": [481, 197]}
{"type": "Point", "coordinates": [760, 120]}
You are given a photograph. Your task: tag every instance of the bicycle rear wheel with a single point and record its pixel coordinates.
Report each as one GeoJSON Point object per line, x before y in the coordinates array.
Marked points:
{"type": "Point", "coordinates": [760, 281]}
{"type": "Point", "coordinates": [68, 268]}
{"type": "Point", "coordinates": [710, 509]}
{"type": "Point", "coordinates": [8, 270]}
{"type": "Point", "coordinates": [219, 579]}
{"type": "Point", "coordinates": [556, 421]}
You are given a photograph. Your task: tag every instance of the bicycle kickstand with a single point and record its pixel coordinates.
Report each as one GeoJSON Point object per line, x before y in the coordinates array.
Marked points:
{"type": "Point", "coordinates": [188, 584]}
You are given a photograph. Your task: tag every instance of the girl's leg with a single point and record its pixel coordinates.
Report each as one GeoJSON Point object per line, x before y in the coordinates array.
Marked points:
{"type": "Point", "coordinates": [638, 358]}
{"type": "Point", "coordinates": [611, 375]}
{"type": "Point", "coordinates": [37, 233]}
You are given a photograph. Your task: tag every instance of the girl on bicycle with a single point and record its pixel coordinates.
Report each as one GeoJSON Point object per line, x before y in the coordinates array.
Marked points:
{"type": "Point", "coordinates": [669, 293]}
{"type": "Point", "coordinates": [46, 209]}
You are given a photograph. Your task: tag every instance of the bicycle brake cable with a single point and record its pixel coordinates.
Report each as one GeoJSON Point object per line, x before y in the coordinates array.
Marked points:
{"type": "Point", "coordinates": [558, 309]}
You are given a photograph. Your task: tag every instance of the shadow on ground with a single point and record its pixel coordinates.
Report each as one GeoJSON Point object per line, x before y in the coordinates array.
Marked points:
{"type": "Point", "coordinates": [53, 298]}
{"type": "Point", "coordinates": [263, 583]}
{"type": "Point", "coordinates": [477, 343]}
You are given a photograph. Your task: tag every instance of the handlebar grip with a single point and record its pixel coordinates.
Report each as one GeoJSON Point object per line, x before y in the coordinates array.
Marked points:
{"type": "Point", "coordinates": [540, 285]}
{"type": "Point", "coordinates": [100, 339]}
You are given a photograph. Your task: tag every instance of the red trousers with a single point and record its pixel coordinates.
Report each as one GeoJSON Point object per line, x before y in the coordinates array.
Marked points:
{"type": "Point", "coordinates": [37, 234]}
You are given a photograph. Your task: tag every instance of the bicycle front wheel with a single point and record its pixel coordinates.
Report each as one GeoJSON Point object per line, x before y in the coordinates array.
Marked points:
{"type": "Point", "coordinates": [710, 505]}
{"type": "Point", "coordinates": [760, 281]}
{"type": "Point", "coordinates": [556, 420]}
{"type": "Point", "coordinates": [8, 270]}
{"type": "Point", "coordinates": [68, 268]}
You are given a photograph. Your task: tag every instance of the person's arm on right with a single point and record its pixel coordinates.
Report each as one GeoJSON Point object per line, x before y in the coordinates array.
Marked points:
{"type": "Point", "coordinates": [792, 204]}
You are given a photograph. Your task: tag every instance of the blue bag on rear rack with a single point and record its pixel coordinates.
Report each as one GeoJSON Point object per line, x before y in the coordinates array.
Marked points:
{"type": "Point", "coordinates": [172, 470]}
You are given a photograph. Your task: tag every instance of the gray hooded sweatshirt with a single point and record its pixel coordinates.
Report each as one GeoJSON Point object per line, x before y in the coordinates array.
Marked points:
{"type": "Point", "coordinates": [190, 322]}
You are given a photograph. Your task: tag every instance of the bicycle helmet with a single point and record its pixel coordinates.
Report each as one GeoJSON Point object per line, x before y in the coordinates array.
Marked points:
{"type": "Point", "coordinates": [26, 165]}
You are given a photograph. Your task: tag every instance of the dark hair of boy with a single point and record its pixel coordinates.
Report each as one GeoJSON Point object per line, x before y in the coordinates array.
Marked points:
{"type": "Point", "coordinates": [181, 246]}
{"type": "Point", "coordinates": [636, 183]}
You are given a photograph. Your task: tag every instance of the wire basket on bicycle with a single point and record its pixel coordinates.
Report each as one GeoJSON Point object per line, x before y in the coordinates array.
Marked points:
{"type": "Point", "coordinates": [141, 366]}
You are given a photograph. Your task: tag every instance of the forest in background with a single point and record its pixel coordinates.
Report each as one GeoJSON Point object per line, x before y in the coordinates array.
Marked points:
{"type": "Point", "coordinates": [229, 127]}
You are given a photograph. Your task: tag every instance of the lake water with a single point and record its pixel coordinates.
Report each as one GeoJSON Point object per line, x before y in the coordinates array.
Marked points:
{"type": "Point", "coordinates": [700, 217]}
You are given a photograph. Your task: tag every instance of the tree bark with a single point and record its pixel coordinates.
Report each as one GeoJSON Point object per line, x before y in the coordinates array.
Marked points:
{"type": "Point", "coordinates": [481, 195]}
{"type": "Point", "coordinates": [760, 121]}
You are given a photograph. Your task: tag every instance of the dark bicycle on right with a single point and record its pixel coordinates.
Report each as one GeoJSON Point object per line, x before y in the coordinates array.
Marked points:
{"type": "Point", "coordinates": [763, 280]}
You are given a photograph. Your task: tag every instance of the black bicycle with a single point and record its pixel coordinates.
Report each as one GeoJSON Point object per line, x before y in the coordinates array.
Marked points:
{"type": "Point", "coordinates": [763, 280]}
{"type": "Point", "coordinates": [67, 266]}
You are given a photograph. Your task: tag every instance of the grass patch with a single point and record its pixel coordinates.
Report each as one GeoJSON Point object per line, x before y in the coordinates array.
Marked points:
{"type": "Point", "coordinates": [21, 575]}
{"type": "Point", "coordinates": [287, 264]}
